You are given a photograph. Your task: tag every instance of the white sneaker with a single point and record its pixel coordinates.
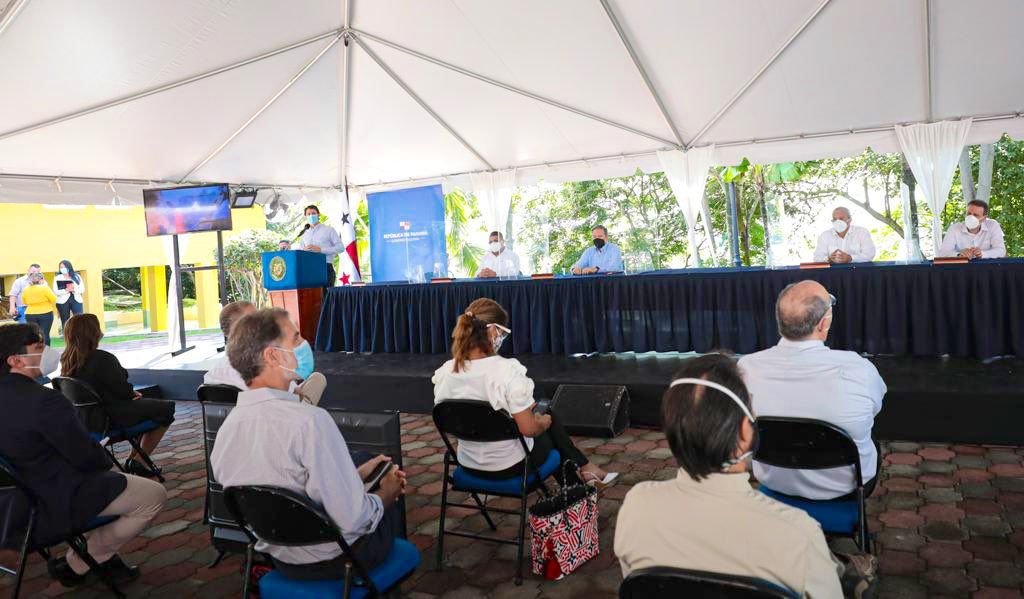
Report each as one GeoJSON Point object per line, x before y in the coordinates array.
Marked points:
{"type": "Point", "coordinates": [312, 388]}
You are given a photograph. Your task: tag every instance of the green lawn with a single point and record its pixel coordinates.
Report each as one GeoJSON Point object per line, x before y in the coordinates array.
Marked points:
{"type": "Point", "coordinates": [107, 339]}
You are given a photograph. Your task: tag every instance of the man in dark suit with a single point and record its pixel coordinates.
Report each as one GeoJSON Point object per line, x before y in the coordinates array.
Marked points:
{"type": "Point", "coordinates": [42, 438]}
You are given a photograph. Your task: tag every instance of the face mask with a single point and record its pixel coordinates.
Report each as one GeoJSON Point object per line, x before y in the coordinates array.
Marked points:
{"type": "Point", "coordinates": [48, 362]}
{"type": "Point", "coordinates": [839, 225]}
{"type": "Point", "coordinates": [972, 221]}
{"type": "Point", "coordinates": [313, 219]}
{"type": "Point", "coordinates": [495, 247]}
{"type": "Point", "coordinates": [742, 406]}
{"type": "Point", "coordinates": [599, 243]}
{"type": "Point", "coordinates": [63, 270]}
{"type": "Point", "coordinates": [499, 339]}
{"type": "Point", "coordinates": [304, 361]}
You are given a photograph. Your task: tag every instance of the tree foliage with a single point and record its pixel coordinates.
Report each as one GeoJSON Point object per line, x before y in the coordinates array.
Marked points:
{"type": "Point", "coordinates": [243, 265]}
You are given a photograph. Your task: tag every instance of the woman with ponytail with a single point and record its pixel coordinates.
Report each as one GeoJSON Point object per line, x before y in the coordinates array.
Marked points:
{"type": "Point", "coordinates": [477, 372]}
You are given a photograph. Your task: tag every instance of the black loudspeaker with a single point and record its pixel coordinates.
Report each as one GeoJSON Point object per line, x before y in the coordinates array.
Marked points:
{"type": "Point", "coordinates": [592, 410]}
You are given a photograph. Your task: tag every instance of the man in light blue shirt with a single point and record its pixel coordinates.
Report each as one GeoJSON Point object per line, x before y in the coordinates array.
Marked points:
{"type": "Point", "coordinates": [17, 308]}
{"type": "Point", "coordinates": [603, 257]}
{"type": "Point", "coordinates": [321, 238]}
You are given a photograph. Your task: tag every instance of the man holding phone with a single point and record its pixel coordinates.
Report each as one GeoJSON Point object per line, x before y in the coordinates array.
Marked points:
{"type": "Point", "coordinates": [272, 439]}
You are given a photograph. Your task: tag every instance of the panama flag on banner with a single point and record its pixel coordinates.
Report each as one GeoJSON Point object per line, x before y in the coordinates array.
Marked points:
{"type": "Point", "coordinates": [348, 261]}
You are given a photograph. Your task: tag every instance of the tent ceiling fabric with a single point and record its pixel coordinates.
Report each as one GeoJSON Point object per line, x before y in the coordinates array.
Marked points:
{"type": "Point", "coordinates": [850, 69]}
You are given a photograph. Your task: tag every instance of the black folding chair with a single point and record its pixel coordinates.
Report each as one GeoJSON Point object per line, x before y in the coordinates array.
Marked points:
{"type": "Point", "coordinates": [670, 583]}
{"type": "Point", "coordinates": [281, 517]}
{"type": "Point", "coordinates": [225, 394]}
{"type": "Point", "coordinates": [226, 536]}
{"type": "Point", "coordinates": [12, 486]}
{"type": "Point", "coordinates": [807, 444]}
{"type": "Point", "coordinates": [98, 421]}
{"type": "Point", "coordinates": [470, 420]}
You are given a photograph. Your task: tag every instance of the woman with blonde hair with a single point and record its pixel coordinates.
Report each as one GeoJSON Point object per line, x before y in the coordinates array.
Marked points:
{"type": "Point", "coordinates": [82, 359]}
{"type": "Point", "coordinates": [477, 372]}
{"type": "Point", "coordinates": [40, 304]}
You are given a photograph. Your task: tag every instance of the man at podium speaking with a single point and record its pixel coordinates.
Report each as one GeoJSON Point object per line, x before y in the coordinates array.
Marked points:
{"type": "Point", "coordinates": [320, 238]}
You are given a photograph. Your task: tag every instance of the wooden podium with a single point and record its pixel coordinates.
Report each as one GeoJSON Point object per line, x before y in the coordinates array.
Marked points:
{"type": "Point", "coordinates": [295, 281]}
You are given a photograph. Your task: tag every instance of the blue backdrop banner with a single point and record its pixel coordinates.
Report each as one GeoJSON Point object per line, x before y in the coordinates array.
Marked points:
{"type": "Point", "coordinates": [407, 240]}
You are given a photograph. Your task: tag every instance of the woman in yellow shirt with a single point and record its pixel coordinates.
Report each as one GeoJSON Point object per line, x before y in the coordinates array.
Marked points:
{"type": "Point", "coordinates": [40, 304]}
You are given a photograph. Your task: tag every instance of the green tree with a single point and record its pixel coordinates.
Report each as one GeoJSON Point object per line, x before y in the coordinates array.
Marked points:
{"type": "Point", "coordinates": [243, 265]}
{"type": "Point", "coordinates": [460, 210]}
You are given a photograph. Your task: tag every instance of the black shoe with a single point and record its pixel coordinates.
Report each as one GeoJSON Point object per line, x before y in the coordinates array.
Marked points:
{"type": "Point", "coordinates": [136, 468]}
{"type": "Point", "coordinates": [59, 570]}
{"type": "Point", "coordinates": [118, 571]}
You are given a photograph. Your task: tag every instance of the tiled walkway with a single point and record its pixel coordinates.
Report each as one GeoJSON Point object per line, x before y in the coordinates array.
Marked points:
{"type": "Point", "coordinates": [949, 522]}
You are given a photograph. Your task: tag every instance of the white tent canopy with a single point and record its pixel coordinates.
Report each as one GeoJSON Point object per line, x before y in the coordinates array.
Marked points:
{"type": "Point", "coordinates": [406, 91]}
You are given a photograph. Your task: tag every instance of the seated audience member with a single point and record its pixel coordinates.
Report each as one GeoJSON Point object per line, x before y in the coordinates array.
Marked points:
{"type": "Point", "coordinates": [498, 260]}
{"type": "Point", "coordinates": [222, 373]}
{"type": "Point", "coordinates": [605, 256]}
{"type": "Point", "coordinates": [477, 372]}
{"type": "Point", "coordinates": [801, 377]}
{"type": "Point", "coordinates": [272, 439]}
{"type": "Point", "coordinates": [40, 304]}
{"type": "Point", "coordinates": [844, 242]}
{"type": "Point", "coordinates": [978, 236]}
{"type": "Point", "coordinates": [43, 439]}
{"type": "Point", "coordinates": [83, 360]}
{"type": "Point", "coordinates": [310, 388]}
{"type": "Point", "coordinates": [709, 518]}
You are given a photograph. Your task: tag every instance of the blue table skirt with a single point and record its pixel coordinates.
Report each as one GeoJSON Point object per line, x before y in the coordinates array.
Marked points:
{"type": "Point", "coordinates": [970, 310]}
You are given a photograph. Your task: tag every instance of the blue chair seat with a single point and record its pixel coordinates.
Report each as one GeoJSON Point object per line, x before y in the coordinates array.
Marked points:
{"type": "Point", "coordinates": [465, 481]}
{"type": "Point", "coordinates": [402, 560]}
{"type": "Point", "coordinates": [835, 516]}
{"type": "Point", "coordinates": [133, 431]}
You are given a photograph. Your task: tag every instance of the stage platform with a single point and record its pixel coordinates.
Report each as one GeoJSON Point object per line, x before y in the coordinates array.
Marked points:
{"type": "Point", "coordinates": [946, 400]}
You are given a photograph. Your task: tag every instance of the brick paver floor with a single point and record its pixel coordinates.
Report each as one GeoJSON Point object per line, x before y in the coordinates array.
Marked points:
{"type": "Point", "coordinates": [949, 521]}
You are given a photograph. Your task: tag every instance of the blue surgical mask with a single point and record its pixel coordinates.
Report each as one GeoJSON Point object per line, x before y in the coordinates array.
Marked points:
{"type": "Point", "coordinates": [63, 270]}
{"type": "Point", "coordinates": [304, 361]}
{"type": "Point", "coordinates": [313, 219]}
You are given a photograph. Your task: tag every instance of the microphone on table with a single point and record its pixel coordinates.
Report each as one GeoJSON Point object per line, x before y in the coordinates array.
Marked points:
{"type": "Point", "coordinates": [304, 229]}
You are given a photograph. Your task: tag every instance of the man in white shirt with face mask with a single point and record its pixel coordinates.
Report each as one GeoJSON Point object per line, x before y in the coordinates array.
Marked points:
{"type": "Point", "coordinates": [844, 242]}
{"type": "Point", "coordinates": [977, 237]}
{"type": "Point", "coordinates": [498, 260]}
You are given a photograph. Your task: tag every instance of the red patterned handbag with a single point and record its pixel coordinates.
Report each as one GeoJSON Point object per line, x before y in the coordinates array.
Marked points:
{"type": "Point", "coordinates": [564, 530]}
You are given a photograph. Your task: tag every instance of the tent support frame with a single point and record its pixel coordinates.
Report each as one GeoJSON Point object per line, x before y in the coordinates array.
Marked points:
{"type": "Point", "coordinates": [482, 78]}
{"type": "Point", "coordinates": [343, 100]}
{"type": "Point", "coordinates": [263, 108]}
{"type": "Point", "coordinates": [757, 75]}
{"type": "Point", "coordinates": [167, 86]}
{"type": "Point", "coordinates": [412, 94]}
{"type": "Point", "coordinates": [8, 16]}
{"type": "Point", "coordinates": [928, 59]}
{"type": "Point", "coordinates": [643, 72]}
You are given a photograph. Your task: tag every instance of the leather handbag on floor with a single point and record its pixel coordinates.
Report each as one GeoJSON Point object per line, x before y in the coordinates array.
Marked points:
{"type": "Point", "coordinates": [564, 529]}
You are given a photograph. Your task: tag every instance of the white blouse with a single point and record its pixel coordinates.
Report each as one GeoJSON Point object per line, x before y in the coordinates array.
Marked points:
{"type": "Point", "coordinates": [63, 294]}
{"type": "Point", "coordinates": [501, 382]}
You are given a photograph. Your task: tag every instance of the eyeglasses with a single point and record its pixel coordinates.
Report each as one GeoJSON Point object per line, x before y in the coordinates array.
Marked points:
{"type": "Point", "coordinates": [832, 299]}
{"type": "Point", "coordinates": [505, 330]}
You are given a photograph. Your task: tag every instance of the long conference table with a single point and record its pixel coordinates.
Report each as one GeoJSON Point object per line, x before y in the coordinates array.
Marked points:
{"type": "Point", "coordinates": [965, 310]}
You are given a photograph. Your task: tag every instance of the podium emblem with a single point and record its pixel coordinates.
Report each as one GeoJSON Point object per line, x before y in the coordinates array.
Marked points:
{"type": "Point", "coordinates": [278, 268]}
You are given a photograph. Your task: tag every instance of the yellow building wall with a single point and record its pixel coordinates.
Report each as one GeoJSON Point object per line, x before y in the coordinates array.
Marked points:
{"type": "Point", "coordinates": [96, 238]}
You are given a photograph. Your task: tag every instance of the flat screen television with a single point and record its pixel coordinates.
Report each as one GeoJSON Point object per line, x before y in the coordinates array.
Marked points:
{"type": "Point", "coordinates": [190, 209]}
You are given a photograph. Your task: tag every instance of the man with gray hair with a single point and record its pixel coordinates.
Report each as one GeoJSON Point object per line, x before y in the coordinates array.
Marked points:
{"type": "Point", "coordinates": [844, 242]}
{"type": "Point", "coordinates": [803, 378]}
{"type": "Point", "coordinates": [272, 439]}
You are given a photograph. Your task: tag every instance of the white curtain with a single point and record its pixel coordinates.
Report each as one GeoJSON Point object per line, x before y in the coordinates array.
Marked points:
{"type": "Point", "coordinates": [493, 191]}
{"type": "Point", "coordinates": [173, 332]}
{"type": "Point", "coordinates": [687, 174]}
{"type": "Point", "coordinates": [933, 152]}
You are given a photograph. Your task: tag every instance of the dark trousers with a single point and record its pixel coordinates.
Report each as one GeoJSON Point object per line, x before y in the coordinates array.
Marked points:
{"type": "Point", "coordinates": [370, 550]}
{"type": "Point", "coordinates": [68, 308]}
{"type": "Point", "coordinates": [553, 438]}
{"type": "Point", "coordinates": [332, 278]}
{"type": "Point", "coordinates": [45, 321]}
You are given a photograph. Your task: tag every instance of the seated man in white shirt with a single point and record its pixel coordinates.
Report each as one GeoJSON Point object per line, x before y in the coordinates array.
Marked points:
{"type": "Point", "coordinates": [802, 378]}
{"type": "Point", "coordinates": [978, 236]}
{"type": "Point", "coordinates": [708, 517]}
{"type": "Point", "coordinates": [844, 242]}
{"type": "Point", "coordinates": [271, 439]}
{"type": "Point", "coordinates": [311, 388]}
{"type": "Point", "coordinates": [498, 260]}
